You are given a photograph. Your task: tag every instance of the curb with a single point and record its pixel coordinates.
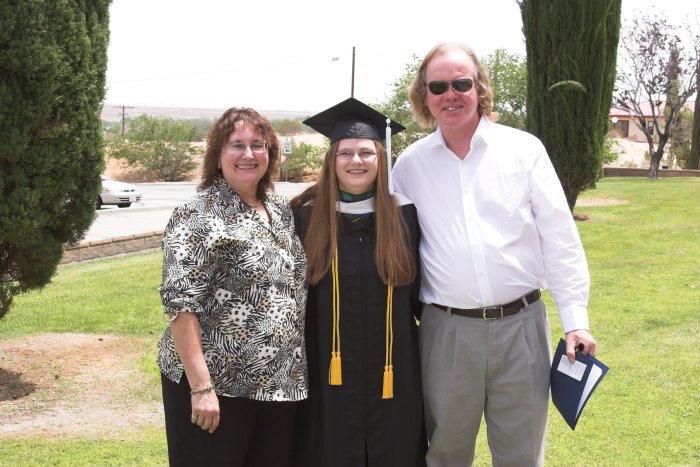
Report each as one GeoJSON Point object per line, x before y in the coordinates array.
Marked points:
{"type": "Point", "coordinates": [110, 212]}
{"type": "Point", "coordinates": [112, 247]}
{"type": "Point", "coordinates": [635, 172]}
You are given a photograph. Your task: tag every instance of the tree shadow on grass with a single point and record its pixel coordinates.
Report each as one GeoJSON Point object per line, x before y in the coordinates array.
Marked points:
{"type": "Point", "coordinates": [13, 387]}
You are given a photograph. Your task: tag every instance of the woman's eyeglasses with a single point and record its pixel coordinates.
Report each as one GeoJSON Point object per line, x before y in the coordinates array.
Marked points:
{"type": "Point", "coordinates": [459, 85]}
{"type": "Point", "coordinates": [237, 148]}
{"type": "Point", "coordinates": [347, 154]}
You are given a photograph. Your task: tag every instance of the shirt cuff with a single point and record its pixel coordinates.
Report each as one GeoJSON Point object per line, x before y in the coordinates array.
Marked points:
{"type": "Point", "coordinates": [573, 318]}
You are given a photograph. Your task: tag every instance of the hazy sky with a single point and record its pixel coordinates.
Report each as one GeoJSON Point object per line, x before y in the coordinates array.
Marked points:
{"type": "Point", "coordinates": [297, 55]}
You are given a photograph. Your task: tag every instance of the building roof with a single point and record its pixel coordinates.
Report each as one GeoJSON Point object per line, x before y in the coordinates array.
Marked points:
{"type": "Point", "coordinates": [646, 109]}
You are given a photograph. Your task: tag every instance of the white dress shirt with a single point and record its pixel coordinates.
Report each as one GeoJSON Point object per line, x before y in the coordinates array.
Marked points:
{"type": "Point", "coordinates": [494, 225]}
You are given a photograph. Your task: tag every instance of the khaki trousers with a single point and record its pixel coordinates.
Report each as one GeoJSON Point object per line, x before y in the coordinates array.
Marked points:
{"type": "Point", "coordinates": [498, 368]}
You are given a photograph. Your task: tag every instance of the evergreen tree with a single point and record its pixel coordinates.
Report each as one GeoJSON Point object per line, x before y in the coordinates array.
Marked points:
{"type": "Point", "coordinates": [571, 54]}
{"type": "Point", "coordinates": [53, 57]}
{"type": "Point", "coordinates": [694, 156]}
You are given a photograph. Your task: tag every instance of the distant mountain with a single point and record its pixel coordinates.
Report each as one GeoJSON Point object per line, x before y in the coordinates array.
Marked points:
{"type": "Point", "coordinates": [113, 113]}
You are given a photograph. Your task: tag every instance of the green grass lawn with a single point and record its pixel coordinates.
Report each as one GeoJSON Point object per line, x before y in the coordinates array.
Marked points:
{"type": "Point", "coordinates": [644, 259]}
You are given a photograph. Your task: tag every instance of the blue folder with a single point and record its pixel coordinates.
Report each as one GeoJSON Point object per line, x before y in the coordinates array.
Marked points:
{"type": "Point", "coordinates": [573, 384]}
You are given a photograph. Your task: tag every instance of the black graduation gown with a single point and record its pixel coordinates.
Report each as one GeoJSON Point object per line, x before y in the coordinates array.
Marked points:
{"type": "Point", "coordinates": [351, 425]}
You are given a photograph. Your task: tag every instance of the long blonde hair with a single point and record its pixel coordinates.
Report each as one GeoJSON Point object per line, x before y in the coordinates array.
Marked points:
{"type": "Point", "coordinates": [392, 254]}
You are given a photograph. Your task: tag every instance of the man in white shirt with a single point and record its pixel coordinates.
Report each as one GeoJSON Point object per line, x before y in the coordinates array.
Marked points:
{"type": "Point", "coordinates": [496, 228]}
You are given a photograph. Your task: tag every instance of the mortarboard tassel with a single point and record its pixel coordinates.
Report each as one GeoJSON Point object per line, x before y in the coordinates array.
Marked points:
{"type": "Point", "coordinates": [388, 156]}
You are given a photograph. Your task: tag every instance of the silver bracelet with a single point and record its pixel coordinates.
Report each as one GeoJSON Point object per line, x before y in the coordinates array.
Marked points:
{"type": "Point", "coordinates": [206, 389]}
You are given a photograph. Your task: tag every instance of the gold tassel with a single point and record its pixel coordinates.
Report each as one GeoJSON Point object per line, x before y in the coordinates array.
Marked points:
{"type": "Point", "coordinates": [388, 390]}
{"type": "Point", "coordinates": [335, 375]}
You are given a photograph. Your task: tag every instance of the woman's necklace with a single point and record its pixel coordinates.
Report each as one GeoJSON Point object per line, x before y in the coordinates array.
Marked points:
{"type": "Point", "coordinates": [253, 205]}
{"type": "Point", "coordinates": [352, 198]}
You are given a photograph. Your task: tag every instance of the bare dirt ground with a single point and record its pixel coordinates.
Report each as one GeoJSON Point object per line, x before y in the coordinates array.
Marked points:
{"type": "Point", "coordinates": [77, 384]}
{"type": "Point", "coordinates": [600, 202]}
{"type": "Point", "coordinates": [117, 170]}
{"type": "Point", "coordinates": [629, 153]}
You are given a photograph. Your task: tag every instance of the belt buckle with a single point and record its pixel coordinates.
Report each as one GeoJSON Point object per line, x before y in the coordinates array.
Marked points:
{"type": "Point", "coordinates": [485, 309]}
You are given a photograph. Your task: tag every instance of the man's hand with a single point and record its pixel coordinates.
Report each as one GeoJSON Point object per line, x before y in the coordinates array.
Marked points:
{"type": "Point", "coordinates": [579, 337]}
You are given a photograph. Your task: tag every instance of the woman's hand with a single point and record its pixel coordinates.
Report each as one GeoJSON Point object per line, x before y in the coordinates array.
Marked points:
{"type": "Point", "coordinates": [187, 337]}
{"type": "Point", "coordinates": [205, 410]}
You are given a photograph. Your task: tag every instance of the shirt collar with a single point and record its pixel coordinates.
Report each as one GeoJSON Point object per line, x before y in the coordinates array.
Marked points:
{"type": "Point", "coordinates": [228, 195]}
{"type": "Point", "coordinates": [482, 135]}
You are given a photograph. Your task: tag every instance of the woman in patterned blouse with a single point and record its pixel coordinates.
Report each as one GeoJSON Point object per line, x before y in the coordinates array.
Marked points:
{"type": "Point", "coordinates": [232, 358]}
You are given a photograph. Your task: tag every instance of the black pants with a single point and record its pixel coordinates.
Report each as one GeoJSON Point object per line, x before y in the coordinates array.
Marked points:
{"type": "Point", "coordinates": [251, 433]}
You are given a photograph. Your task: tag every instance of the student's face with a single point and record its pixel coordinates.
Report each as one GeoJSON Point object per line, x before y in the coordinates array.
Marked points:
{"type": "Point", "coordinates": [356, 165]}
{"type": "Point", "coordinates": [452, 109]}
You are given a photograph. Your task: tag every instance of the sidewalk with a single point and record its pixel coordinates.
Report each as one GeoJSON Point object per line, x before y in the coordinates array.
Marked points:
{"type": "Point", "coordinates": [115, 223]}
{"type": "Point", "coordinates": [116, 233]}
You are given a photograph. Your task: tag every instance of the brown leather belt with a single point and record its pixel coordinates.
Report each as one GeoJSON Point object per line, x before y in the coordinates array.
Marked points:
{"type": "Point", "coordinates": [493, 312]}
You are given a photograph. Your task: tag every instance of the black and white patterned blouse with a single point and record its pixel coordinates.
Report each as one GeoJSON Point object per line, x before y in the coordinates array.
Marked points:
{"type": "Point", "coordinates": [244, 278]}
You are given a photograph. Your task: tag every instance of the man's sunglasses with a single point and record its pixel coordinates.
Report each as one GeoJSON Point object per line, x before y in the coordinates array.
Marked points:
{"type": "Point", "coordinates": [459, 85]}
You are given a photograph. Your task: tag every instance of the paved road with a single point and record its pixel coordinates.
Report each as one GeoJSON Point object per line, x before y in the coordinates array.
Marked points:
{"type": "Point", "coordinates": [153, 213]}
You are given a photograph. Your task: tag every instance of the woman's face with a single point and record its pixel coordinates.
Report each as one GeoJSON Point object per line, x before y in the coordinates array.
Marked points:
{"type": "Point", "coordinates": [356, 165]}
{"type": "Point", "coordinates": [244, 158]}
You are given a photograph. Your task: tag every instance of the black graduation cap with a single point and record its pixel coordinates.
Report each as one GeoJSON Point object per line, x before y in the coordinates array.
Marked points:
{"type": "Point", "coordinates": [352, 119]}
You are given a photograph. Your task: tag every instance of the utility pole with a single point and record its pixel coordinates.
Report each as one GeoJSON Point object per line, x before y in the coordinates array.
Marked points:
{"type": "Point", "coordinates": [123, 107]}
{"type": "Point", "coordinates": [352, 83]}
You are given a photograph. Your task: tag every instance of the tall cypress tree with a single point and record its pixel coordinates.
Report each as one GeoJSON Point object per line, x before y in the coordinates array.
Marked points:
{"type": "Point", "coordinates": [53, 58]}
{"type": "Point", "coordinates": [571, 55]}
{"type": "Point", "coordinates": [694, 156]}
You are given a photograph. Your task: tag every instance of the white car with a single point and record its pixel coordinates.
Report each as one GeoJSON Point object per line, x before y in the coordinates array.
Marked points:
{"type": "Point", "coordinates": [119, 193]}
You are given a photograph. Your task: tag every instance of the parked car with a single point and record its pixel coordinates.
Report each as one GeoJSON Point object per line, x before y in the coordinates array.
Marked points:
{"type": "Point", "coordinates": [119, 193]}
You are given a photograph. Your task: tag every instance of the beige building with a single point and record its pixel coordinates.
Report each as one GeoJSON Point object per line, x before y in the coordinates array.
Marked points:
{"type": "Point", "coordinates": [623, 125]}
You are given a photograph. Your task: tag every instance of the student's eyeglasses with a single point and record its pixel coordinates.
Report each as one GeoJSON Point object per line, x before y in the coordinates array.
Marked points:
{"type": "Point", "coordinates": [347, 154]}
{"type": "Point", "coordinates": [237, 148]}
{"type": "Point", "coordinates": [459, 85]}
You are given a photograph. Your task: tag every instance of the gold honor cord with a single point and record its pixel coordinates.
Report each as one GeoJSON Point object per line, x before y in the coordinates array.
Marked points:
{"type": "Point", "coordinates": [335, 371]}
{"type": "Point", "coordinates": [388, 391]}
{"type": "Point", "coordinates": [335, 377]}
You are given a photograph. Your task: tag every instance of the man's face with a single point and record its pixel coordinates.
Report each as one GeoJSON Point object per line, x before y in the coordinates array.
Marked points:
{"type": "Point", "coordinates": [452, 109]}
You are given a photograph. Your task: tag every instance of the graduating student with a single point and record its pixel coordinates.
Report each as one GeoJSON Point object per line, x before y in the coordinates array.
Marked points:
{"type": "Point", "coordinates": [365, 403]}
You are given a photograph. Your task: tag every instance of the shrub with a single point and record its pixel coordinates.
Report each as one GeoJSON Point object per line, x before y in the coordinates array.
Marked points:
{"type": "Point", "coordinates": [305, 160]}
{"type": "Point", "coordinates": [53, 58]}
{"type": "Point", "coordinates": [162, 146]}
